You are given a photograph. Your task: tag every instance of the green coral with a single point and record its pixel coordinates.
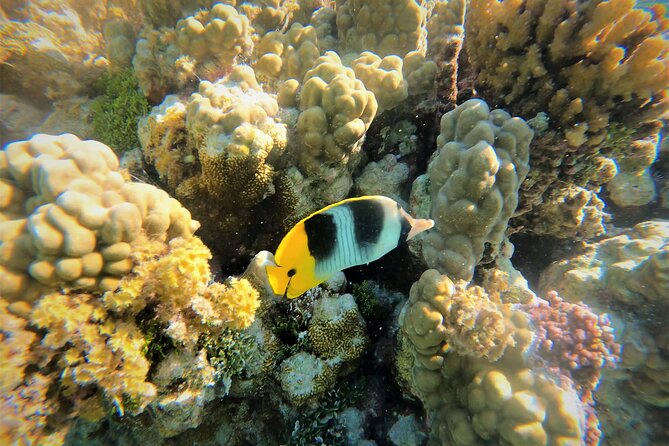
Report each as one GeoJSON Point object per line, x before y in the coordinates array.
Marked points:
{"type": "Point", "coordinates": [118, 109]}
{"type": "Point", "coordinates": [323, 422]}
{"type": "Point", "coordinates": [157, 344]}
{"type": "Point", "coordinates": [228, 352]}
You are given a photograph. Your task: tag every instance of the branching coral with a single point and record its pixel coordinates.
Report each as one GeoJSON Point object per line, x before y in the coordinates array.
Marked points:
{"type": "Point", "coordinates": [164, 140]}
{"type": "Point", "coordinates": [469, 368]}
{"type": "Point", "coordinates": [95, 349]}
{"type": "Point", "coordinates": [626, 271]}
{"type": "Point", "coordinates": [590, 65]}
{"type": "Point", "coordinates": [176, 279]}
{"type": "Point", "coordinates": [473, 184]}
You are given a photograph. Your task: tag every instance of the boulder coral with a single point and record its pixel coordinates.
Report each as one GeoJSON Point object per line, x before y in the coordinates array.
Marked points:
{"type": "Point", "coordinates": [287, 55]}
{"type": "Point", "coordinates": [337, 330]}
{"type": "Point", "coordinates": [70, 218]}
{"type": "Point", "coordinates": [474, 177]}
{"type": "Point", "coordinates": [467, 362]}
{"type": "Point", "coordinates": [334, 112]}
{"type": "Point", "coordinates": [400, 31]}
{"type": "Point", "coordinates": [214, 36]}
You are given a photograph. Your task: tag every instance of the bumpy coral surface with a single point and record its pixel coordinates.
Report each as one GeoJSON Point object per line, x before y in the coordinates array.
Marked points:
{"type": "Point", "coordinates": [590, 65]}
{"type": "Point", "coordinates": [478, 347]}
{"type": "Point", "coordinates": [384, 27]}
{"type": "Point", "coordinates": [305, 377]}
{"type": "Point", "coordinates": [232, 123]}
{"type": "Point", "coordinates": [629, 269]}
{"type": "Point", "coordinates": [336, 330]}
{"type": "Point", "coordinates": [287, 55]}
{"type": "Point", "coordinates": [70, 218]}
{"type": "Point", "coordinates": [217, 35]}
{"type": "Point", "coordinates": [474, 179]}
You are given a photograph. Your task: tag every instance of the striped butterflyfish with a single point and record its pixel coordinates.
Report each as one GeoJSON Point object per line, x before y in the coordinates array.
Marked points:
{"type": "Point", "coordinates": [351, 232]}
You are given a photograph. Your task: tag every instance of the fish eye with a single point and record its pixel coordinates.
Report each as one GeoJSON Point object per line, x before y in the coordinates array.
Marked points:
{"type": "Point", "coordinates": [291, 272]}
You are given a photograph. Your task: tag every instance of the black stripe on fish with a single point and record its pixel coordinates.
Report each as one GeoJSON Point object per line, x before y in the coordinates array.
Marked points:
{"type": "Point", "coordinates": [368, 219]}
{"type": "Point", "coordinates": [321, 235]}
{"type": "Point", "coordinates": [404, 231]}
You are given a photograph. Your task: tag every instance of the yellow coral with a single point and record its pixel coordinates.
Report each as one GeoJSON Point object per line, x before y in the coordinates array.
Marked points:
{"type": "Point", "coordinates": [98, 349]}
{"type": "Point", "coordinates": [385, 27]}
{"type": "Point", "coordinates": [220, 33]}
{"type": "Point", "coordinates": [79, 218]}
{"type": "Point", "coordinates": [287, 55]}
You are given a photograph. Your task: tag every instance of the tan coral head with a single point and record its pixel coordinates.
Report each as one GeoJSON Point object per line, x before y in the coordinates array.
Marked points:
{"type": "Point", "coordinates": [418, 225]}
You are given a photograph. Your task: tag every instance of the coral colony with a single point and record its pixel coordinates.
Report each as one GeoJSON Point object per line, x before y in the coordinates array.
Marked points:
{"type": "Point", "coordinates": [156, 152]}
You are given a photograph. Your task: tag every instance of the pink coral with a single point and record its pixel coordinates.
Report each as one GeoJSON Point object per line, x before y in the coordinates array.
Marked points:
{"type": "Point", "coordinates": [574, 340]}
{"type": "Point", "coordinates": [574, 343]}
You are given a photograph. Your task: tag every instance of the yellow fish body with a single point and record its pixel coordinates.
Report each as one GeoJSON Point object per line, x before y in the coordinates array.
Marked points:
{"type": "Point", "coordinates": [355, 231]}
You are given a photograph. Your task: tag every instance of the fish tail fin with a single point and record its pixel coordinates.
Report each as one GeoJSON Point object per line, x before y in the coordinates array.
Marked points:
{"type": "Point", "coordinates": [419, 225]}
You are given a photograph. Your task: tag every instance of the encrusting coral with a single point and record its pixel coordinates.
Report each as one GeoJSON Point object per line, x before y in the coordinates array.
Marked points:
{"type": "Point", "coordinates": [474, 178]}
{"type": "Point", "coordinates": [592, 66]}
{"type": "Point", "coordinates": [336, 330]}
{"type": "Point", "coordinates": [633, 184]}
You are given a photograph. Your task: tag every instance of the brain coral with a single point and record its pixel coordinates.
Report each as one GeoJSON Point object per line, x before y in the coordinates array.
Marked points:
{"type": "Point", "coordinates": [69, 217]}
{"type": "Point", "coordinates": [474, 178]}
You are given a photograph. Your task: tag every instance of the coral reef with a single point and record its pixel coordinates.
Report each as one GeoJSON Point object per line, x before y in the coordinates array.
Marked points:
{"type": "Point", "coordinates": [626, 272]}
{"type": "Point", "coordinates": [400, 31]}
{"type": "Point", "coordinates": [70, 218]}
{"type": "Point", "coordinates": [551, 57]}
{"type": "Point", "coordinates": [474, 178]}
{"type": "Point", "coordinates": [120, 326]}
